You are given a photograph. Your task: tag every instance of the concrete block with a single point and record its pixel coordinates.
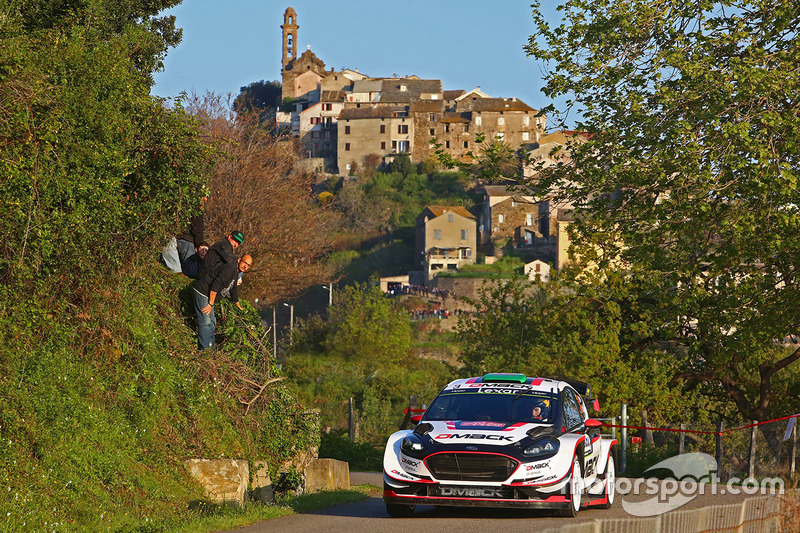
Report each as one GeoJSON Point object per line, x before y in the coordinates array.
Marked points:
{"type": "Point", "coordinates": [225, 480]}
{"type": "Point", "coordinates": [327, 474]}
{"type": "Point", "coordinates": [262, 484]}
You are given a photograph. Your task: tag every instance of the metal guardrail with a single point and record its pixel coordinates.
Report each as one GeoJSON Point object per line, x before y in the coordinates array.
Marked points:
{"type": "Point", "coordinates": [754, 515]}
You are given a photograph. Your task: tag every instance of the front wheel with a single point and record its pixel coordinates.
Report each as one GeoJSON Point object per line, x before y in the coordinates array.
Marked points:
{"type": "Point", "coordinates": [611, 478]}
{"type": "Point", "coordinates": [575, 490]}
{"type": "Point", "coordinates": [399, 510]}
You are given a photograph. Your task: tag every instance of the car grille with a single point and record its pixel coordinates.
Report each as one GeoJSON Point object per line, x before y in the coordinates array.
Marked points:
{"type": "Point", "coordinates": [471, 466]}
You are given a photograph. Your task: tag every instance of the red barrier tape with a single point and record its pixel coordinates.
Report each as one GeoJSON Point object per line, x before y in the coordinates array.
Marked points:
{"type": "Point", "coordinates": [409, 410]}
{"type": "Point", "coordinates": [719, 433]}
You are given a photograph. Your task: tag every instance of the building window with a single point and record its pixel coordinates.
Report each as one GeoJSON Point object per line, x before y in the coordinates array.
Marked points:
{"type": "Point", "coordinates": [447, 128]}
{"type": "Point", "coordinates": [513, 203]}
{"type": "Point", "coordinates": [383, 128]}
{"type": "Point", "coordinates": [526, 136]}
{"type": "Point", "coordinates": [327, 134]}
{"type": "Point", "coordinates": [468, 253]}
{"type": "Point", "coordinates": [526, 120]}
{"type": "Point", "coordinates": [432, 132]}
{"type": "Point", "coordinates": [464, 234]}
{"type": "Point", "coordinates": [383, 145]}
{"type": "Point", "coordinates": [500, 218]}
{"type": "Point", "coordinates": [529, 219]}
{"type": "Point", "coordinates": [437, 234]}
{"type": "Point", "coordinates": [500, 136]}
{"type": "Point", "coordinates": [402, 146]}
{"type": "Point", "coordinates": [315, 135]}
{"type": "Point", "coordinates": [433, 117]}
{"type": "Point", "coordinates": [466, 128]}
{"type": "Point", "coordinates": [347, 130]}
{"type": "Point", "coordinates": [466, 144]}
{"type": "Point", "coordinates": [346, 147]}
{"type": "Point", "coordinates": [501, 121]}
{"type": "Point", "coordinates": [402, 128]}
{"type": "Point", "coordinates": [327, 107]}
{"type": "Point", "coordinates": [478, 120]}
{"type": "Point", "coordinates": [447, 144]}
{"type": "Point", "coordinates": [449, 218]}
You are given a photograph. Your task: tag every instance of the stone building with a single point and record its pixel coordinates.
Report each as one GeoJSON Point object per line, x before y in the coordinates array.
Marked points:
{"type": "Point", "coordinates": [346, 117]}
{"type": "Point", "coordinates": [446, 239]}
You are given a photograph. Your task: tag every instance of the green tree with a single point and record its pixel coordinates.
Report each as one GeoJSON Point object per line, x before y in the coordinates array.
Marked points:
{"type": "Point", "coordinates": [93, 169]}
{"type": "Point", "coordinates": [368, 326]}
{"type": "Point", "coordinates": [690, 174]}
{"type": "Point", "coordinates": [402, 164]}
{"type": "Point", "coordinates": [572, 332]}
{"type": "Point", "coordinates": [263, 96]}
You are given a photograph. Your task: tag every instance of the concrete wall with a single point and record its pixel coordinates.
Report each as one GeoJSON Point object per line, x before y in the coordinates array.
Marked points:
{"type": "Point", "coordinates": [327, 474]}
{"type": "Point", "coordinates": [225, 480]}
{"type": "Point", "coordinates": [365, 138]}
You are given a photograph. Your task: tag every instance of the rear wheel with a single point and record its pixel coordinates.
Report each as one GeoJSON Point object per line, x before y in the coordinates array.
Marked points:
{"type": "Point", "coordinates": [399, 510]}
{"type": "Point", "coordinates": [611, 479]}
{"type": "Point", "coordinates": [575, 490]}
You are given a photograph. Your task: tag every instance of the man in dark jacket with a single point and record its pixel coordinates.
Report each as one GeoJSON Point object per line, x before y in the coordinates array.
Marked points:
{"type": "Point", "coordinates": [221, 252]}
{"type": "Point", "coordinates": [206, 291]}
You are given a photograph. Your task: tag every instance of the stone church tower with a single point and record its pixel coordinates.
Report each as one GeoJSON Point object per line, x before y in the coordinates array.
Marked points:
{"type": "Point", "coordinates": [289, 28]}
{"type": "Point", "coordinates": [292, 66]}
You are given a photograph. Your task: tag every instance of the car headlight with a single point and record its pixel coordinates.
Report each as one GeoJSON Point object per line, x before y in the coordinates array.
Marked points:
{"type": "Point", "coordinates": [541, 448]}
{"type": "Point", "coordinates": [411, 445]}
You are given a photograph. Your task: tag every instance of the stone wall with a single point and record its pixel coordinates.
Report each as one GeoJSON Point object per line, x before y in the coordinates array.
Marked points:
{"type": "Point", "coordinates": [225, 480]}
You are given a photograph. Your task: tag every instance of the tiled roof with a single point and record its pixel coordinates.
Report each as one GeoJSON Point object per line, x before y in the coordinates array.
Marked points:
{"type": "Point", "coordinates": [452, 95]}
{"type": "Point", "coordinates": [367, 86]}
{"type": "Point", "coordinates": [439, 210]}
{"type": "Point", "coordinates": [391, 90]}
{"type": "Point", "coordinates": [500, 104]}
{"type": "Point", "coordinates": [427, 106]}
{"type": "Point", "coordinates": [332, 96]}
{"type": "Point", "coordinates": [504, 190]}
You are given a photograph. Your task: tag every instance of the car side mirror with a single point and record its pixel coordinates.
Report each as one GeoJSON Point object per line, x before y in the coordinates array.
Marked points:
{"type": "Point", "coordinates": [593, 423]}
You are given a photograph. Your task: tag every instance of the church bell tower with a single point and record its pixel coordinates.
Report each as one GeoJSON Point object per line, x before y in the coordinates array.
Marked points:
{"type": "Point", "coordinates": [289, 27]}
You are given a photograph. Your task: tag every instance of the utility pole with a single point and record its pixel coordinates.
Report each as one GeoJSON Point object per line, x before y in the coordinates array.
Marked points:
{"type": "Point", "coordinates": [329, 287]}
{"type": "Point", "coordinates": [274, 334]}
{"type": "Point", "coordinates": [291, 321]}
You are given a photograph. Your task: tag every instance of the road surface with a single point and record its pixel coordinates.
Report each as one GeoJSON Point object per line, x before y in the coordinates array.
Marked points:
{"type": "Point", "coordinates": [370, 516]}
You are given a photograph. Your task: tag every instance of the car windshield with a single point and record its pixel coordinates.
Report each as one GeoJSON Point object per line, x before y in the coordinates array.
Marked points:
{"type": "Point", "coordinates": [508, 408]}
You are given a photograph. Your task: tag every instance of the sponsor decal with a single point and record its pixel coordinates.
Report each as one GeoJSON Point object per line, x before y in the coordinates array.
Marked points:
{"type": "Point", "coordinates": [537, 466]}
{"type": "Point", "coordinates": [458, 425]}
{"type": "Point", "coordinates": [476, 436]}
{"type": "Point", "coordinates": [402, 475]}
{"type": "Point", "coordinates": [409, 462]}
{"type": "Point", "coordinates": [591, 467]}
{"type": "Point", "coordinates": [473, 492]}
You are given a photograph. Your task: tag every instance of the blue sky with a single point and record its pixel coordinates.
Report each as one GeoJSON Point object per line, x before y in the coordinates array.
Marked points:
{"type": "Point", "coordinates": [465, 43]}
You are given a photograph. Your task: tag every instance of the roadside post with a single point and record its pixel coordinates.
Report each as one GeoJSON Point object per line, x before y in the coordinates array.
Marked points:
{"type": "Point", "coordinates": [751, 458]}
{"type": "Point", "coordinates": [623, 448]}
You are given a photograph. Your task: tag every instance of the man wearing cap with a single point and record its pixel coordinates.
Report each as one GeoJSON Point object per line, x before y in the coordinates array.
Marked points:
{"type": "Point", "coordinates": [208, 289]}
{"type": "Point", "coordinates": [221, 252]}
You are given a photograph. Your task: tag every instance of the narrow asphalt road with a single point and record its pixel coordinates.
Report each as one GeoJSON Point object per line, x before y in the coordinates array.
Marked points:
{"type": "Point", "coordinates": [370, 516]}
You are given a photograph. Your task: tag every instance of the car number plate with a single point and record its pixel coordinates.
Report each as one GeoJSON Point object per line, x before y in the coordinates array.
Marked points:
{"type": "Point", "coordinates": [455, 491]}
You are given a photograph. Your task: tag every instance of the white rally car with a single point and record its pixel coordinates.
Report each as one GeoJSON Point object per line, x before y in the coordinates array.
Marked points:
{"type": "Point", "coordinates": [501, 440]}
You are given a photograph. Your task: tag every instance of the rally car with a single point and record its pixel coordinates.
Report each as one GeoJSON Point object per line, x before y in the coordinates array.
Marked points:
{"type": "Point", "coordinates": [502, 440]}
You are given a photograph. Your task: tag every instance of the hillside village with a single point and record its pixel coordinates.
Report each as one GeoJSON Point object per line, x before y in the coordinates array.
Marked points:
{"type": "Point", "coordinates": [346, 120]}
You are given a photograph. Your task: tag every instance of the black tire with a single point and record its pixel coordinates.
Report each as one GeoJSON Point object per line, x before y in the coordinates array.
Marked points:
{"type": "Point", "coordinates": [575, 490]}
{"type": "Point", "coordinates": [399, 510]}
{"type": "Point", "coordinates": [611, 479]}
